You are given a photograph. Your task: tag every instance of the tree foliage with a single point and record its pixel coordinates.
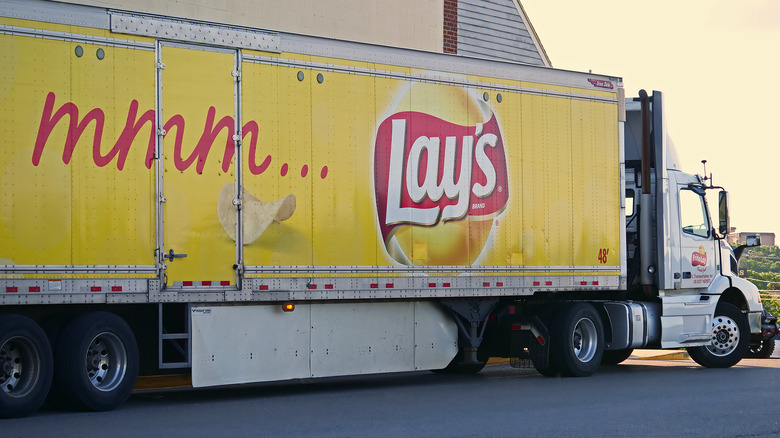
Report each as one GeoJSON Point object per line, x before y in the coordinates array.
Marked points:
{"type": "Point", "coordinates": [762, 265]}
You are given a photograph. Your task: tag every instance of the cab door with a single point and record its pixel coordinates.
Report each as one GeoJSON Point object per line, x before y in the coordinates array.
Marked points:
{"type": "Point", "coordinates": [197, 102]}
{"type": "Point", "coordinates": [698, 258]}
{"type": "Point", "coordinates": [687, 312]}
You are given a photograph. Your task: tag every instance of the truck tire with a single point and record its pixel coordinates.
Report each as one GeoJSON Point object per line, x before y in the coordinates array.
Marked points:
{"type": "Point", "coordinates": [577, 340]}
{"type": "Point", "coordinates": [97, 361]}
{"type": "Point", "coordinates": [730, 339]}
{"type": "Point", "coordinates": [26, 364]}
{"type": "Point", "coordinates": [614, 357]}
{"type": "Point", "coordinates": [763, 350]}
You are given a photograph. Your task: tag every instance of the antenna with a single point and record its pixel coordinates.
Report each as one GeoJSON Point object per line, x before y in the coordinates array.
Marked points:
{"type": "Point", "coordinates": [704, 163]}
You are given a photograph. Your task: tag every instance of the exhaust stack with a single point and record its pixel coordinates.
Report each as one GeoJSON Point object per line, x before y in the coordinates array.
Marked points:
{"type": "Point", "coordinates": [647, 269]}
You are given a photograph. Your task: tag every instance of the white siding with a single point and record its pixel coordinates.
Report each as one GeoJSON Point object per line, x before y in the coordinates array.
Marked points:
{"type": "Point", "coordinates": [414, 24]}
{"type": "Point", "coordinates": [495, 29]}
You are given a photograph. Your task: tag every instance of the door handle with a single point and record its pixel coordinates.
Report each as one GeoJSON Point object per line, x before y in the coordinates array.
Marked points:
{"type": "Point", "coordinates": [172, 255]}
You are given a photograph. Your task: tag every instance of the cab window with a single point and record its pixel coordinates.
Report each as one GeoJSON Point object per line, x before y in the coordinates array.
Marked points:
{"type": "Point", "coordinates": [693, 214]}
{"type": "Point", "coordinates": [629, 202]}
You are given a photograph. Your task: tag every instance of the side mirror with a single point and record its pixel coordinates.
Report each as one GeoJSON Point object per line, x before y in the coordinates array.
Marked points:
{"type": "Point", "coordinates": [724, 224]}
{"type": "Point", "coordinates": [750, 241]}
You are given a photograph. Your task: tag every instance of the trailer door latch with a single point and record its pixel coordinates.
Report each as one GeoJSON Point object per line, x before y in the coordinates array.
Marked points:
{"type": "Point", "coordinates": [171, 255]}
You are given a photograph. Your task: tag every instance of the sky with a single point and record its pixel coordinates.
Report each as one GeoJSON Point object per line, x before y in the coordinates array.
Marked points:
{"type": "Point", "coordinates": [717, 63]}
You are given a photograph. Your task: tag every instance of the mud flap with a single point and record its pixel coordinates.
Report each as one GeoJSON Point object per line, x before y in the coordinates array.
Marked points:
{"type": "Point", "coordinates": [530, 344]}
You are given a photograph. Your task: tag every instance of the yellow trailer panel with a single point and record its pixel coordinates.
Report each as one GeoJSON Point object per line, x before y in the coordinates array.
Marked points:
{"type": "Point", "coordinates": [343, 164]}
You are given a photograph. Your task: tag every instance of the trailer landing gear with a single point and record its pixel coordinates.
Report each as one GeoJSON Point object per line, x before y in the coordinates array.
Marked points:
{"type": "Point", "coordinates": [471, 317]}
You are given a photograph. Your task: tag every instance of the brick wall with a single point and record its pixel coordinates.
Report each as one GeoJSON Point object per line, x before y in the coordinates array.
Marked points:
{"type": "Point", "coordinates": [450, 26]}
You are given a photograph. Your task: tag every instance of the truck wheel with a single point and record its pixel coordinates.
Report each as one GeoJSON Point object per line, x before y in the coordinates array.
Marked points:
{"type": "Point", "coordinates": [577, 340]}
{"type": "Point", "coordinates": [730, 339]}
{"type": "Point", "coordinates": [97, 361]}
{"type": "Point", "coordinates": [26, 365]}
{"type": "Point", "coordinates": [763, 350]}
{"type": "Point", "coordinates": [614, 357]}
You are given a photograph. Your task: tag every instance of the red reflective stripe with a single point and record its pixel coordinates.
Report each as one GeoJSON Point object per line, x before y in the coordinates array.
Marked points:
{"type": "Point", "coordinates": [512, 310]}
{"type": "Point", "coordinates": [224, 283]}
{"type": "Point", "coordinates": [205, 283]}
{"type": "Point", "coordinates": [96, 289]}
{"type": "Point", "coordinates": [431, 284]}
{"type": "Point", "coordinates": [485, 284]}
{"type": "Point", "coordinates": [389, 285]}
{"type": "Point", "coordinates": [583, 283]}
{"type": "Point", "coordinates": [116, 288]}
{"type": "Point", "coordinates": [328, 286]}
{"type": "Point", "coordinates": [263, 287]}
{"type": "Point", "coordinates": [312, 286]}
{"type": "Point", "coordinates": [500, 284]}
{"type": "Point", "coordinates": [445, 284]}
{"type": "Point", "coordinates": [35, 289]}
{"type": "Point", "coordinates": [11, 289]}
{"type": "Point", "coordinates": [536, 283]}
{"type": "Point", "coordinates": [540, 339]}
{"type": "Point", "coordinates": [548, 283]}
{"type": "Point", "coordinates": [595, 283]}
{"type": "Point", "coordinates": [374, 285]}
{"type": "Point", "coordinates": [186, 283]}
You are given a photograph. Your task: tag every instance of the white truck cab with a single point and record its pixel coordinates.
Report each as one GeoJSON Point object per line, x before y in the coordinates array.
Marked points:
{"type": "Point", "coordinates": [688, 266]}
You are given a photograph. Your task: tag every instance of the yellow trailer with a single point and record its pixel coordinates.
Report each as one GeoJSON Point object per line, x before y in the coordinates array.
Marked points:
{"type": "Point", "coordinates": [196, 196]}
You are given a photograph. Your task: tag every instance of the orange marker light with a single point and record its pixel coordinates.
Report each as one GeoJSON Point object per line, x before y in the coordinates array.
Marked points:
{"type": "Point", "coordinates": [288, 307]}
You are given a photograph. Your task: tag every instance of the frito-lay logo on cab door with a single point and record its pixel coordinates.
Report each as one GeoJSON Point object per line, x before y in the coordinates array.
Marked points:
{"type": "Point", "coordinates": [699, 258]}
{"type": "Point", "coordinates": [440, 178]}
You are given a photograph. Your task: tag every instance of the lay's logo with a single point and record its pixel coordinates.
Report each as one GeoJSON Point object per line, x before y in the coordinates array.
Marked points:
{"type": "Point", "coordinates": [429, 171]}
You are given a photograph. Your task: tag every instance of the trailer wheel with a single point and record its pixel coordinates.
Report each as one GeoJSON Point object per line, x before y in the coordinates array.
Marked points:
{"type": "Point", "coordinates": [730, 339]}
{"type": "Point", "coordinates": [577, 343]}
{"type": "Point", "coordinates": [614, 357]}
{"type": "Point", "coordinates": [26, 365]}
{"type": "Point", "coordinates": [97, 361]}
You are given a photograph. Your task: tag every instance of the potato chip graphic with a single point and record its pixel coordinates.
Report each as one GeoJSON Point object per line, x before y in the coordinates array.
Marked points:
{"type": "Point", "coordinates": [440, 176]}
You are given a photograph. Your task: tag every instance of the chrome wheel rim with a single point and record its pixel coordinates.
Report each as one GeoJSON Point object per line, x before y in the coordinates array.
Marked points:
{"type": "Point", "coordinates": [725, 336]}
{"type": "Point", "coordinates": [106, 361]}
{"type": "Point", "coordinates": [585, 340]}
{"type": "Point", "coordinates": [19, 366]}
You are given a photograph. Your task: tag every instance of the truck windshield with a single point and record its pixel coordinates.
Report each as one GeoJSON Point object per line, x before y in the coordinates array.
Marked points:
{"type": "Point", "coordinates": [693, 214]}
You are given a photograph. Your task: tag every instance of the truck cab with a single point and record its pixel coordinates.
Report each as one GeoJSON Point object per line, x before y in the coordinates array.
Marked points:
{"type": "Point", "coordinates": [677, 258]}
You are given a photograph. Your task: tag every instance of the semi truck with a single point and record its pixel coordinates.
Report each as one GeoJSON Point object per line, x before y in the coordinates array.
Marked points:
{"type": "Point", "coordinates": [239, 205]}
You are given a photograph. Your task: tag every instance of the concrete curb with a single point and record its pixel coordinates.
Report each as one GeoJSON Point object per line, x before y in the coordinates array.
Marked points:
{"type": "Point", "coordinates": [637, 355]}
{"type": "Point", "coordinates": [677, 355]}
